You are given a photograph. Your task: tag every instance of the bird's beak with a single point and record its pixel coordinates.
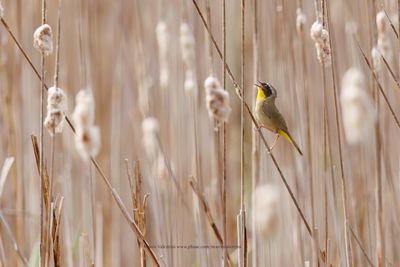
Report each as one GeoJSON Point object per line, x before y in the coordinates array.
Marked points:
{"type": "Point", "coordinates": [258, 85]}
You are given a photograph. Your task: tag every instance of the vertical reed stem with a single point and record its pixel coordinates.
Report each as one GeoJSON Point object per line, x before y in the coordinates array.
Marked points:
{"type": "Point", "coordinates": [343, 178]}
{"type": "Point", "coordinates": [255, 177]}
{"type": "Point", "coordinates": [224, 234]}
{"type": "Point", "coordinates": [43, 236]}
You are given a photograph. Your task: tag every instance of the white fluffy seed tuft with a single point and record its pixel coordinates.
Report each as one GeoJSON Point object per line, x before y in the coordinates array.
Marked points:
{"type": "Point", "coordinates": [301, 20]}
{"type": "Point", "coordinates": [163, 40]}
{"type": "Point", "coordinates": [358, 111]}
{"type": "Point", "coordinates": [187, 45]}
{"type": "Point", "coordinates": [217, 99]}
{"type": "Point", "coordinates": [56, 110]}
{"type": "Point", "coordinates": [320, 37]}
{"type": "Point", "coordinates": [381, 22]}
{"type": "Point", "coordinates": [150, 130]}
{"type": "Point", "coordinates": [87, 136]}
{"type": "Point", "coordinates": [190, 84]}
{"type": "Point", "coordinates": [266, 210]}
{"type": "Point", "coordinates": [189, 58]}
{"type": "Point", "coordinates": [376, 59]}
{"type": "Point", "coordinates": [43, 39]}
{"type": "Point", "coordinates": [1, 11]}
{"type": "Point", "coordinates": [383, 43]}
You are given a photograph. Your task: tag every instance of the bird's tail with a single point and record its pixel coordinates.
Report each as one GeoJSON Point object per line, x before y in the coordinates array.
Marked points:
{"type": "Point", "coordinates": [288, 137]}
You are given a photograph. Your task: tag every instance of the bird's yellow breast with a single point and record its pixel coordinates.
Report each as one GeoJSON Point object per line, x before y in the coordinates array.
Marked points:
{"type": "Point", "coordinates": [260, 94]}
{"type": "Point", "coordinates": [261, 117]}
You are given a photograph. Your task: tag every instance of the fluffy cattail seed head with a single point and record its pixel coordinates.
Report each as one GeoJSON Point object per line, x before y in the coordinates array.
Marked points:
{"type": "Point", "coordinates": [87, 141]}
{"type": "Point", "coordinates": [359, 113]}
{"type": "Point", "coordinates": [385, 46]}
{"type": "Point", "coordinates": [54, 121]}
{"type": "Point", "coordinates": [266, 210]}
{"type": "Point", "coordinates": [162, 40]}
{"type": "Point", "coordinates": [376, 59]}
{"type": "Point", "coordinates": [187, 46]}
{"type": "Point", "coordinates": [151, 129]}
{"type": "Point", "coordinates": [217, 99]}
{"type": "Point", "coordinates": [320, 37]}
{"type": "Point", "coordinates": [43, 39]}
{"type": "Point", "coordinates": [300, 20]}
{"type": "Point", "coordinates": [381, 22]}
{"type": "Point", "coordinates": [211, 83]}
{"type": "Point", "coordinates": [190, 82]}
{"type": "Point", "coordinates": [87, 137]}
{"type": "Point", "coordinates": [56, 110]}
{"type": "Point", "coordinates": [56, 97]}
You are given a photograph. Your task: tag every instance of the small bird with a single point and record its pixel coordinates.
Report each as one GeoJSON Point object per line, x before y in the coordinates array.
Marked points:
{"type": "Point", "coordinates": [268, 115]}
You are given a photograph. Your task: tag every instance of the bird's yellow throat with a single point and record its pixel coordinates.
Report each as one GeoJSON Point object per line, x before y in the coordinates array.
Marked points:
{"type": "Point", "coordinates": [260, 94]}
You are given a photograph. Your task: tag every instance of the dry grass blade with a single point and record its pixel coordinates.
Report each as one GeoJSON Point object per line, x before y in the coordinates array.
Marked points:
{"type": "Point", "coordinates": [209, 216]}
{"type": "Point", "coordinates": [57, 212]}
{"type": "Point", "coordinates": [8, 162]}
{"type": "Point", "coordinates": [45, 181]}
{"type": "Point", "coordinates": [389, 69]}
{"type": "Point", "coordinates": [361, 247]}
{"type": "Point", "coordinates": [379, 85]}
{"type": "Point", "coordinates": [13, 240]}
{"type": "Point", "coordinates": [391, 23]}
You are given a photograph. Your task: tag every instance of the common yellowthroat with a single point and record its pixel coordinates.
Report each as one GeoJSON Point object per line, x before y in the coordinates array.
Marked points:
{"type": "Point", "coordinates": [268, 115]}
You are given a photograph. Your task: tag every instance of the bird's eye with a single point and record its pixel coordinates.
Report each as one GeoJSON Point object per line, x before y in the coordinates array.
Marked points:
{"type": "Point", "coordinates": [267, 90]}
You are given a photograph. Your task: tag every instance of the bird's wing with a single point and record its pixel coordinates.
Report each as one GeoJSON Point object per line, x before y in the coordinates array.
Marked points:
{"type": "Point", "coordinates": [275, 116]}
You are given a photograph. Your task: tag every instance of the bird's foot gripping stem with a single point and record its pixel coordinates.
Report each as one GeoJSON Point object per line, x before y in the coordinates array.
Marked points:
{"type": "Point", "coordinates": [273, 144]}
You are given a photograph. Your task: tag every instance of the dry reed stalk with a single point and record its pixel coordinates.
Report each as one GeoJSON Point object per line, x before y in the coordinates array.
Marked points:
{"type": "Point", "coordinates": [349, 258]}
{"type": "Point", "coordinates": [139, 207]}
{"type": "Point", "coordinates": [315, 245]}
{"type": "Point", "coordinates": [242, 229]}
{"type": "Point", "coordinates": [57, 212]}
{"type": "Point", "coordinates": [361, 247]}
{"type": "Point", "coordinates": [2, 254]}
{"type": "Point", "coordinates": [380, 247]}
{"type": "Point", "coordinates": [99, 237]}
{"type": "Point", "coordinates": [210, 219]}
{"type": "Point", "coordinates": [56, 248]}
{"type": "Point", "coordinates": [8, 162]}
{"type": "Point", "coordinates": [224, 148]}
{"type": "Point", "coordinates": [43, 219]}
{"type": "Point", "coordinates": [379, 85]}
{"type": "Point", "coordinates": [390, 70]}
{"type": "Point", "coordinates": [13, 240]}
{"type": "Point", "coordinates": [84, 254]}
{"type": "Point", "coordinates": [255, 166]}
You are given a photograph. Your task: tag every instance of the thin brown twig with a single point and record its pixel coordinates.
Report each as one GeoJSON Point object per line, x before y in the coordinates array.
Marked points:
{"type": "Point", "coordinates": [361, 246]}
{"type": "Point", "coordinates": [390, 22]}
{"type": "Point", "coordinates": [390, 69]}
{"type": "Point", "coordinates": [379, 85]}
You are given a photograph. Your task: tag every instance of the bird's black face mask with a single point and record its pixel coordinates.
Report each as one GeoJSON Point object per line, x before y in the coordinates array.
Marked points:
{"type": "Point", "coordinates": [267, 89]}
